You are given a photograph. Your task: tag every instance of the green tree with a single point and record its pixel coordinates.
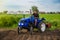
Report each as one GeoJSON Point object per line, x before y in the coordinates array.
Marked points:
{"type": "Point", "coordinates": [35, 8]}
{"type": "Point", "coordinates": [5, 12]}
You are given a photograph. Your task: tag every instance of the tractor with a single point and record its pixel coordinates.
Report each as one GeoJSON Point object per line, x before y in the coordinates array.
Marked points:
{"type": "Point", "coordinates": [30, 23]}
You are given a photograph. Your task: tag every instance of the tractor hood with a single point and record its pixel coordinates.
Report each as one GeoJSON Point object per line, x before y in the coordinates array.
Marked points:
{"type": "Point", "coordinates": [24, 22]}
{"type": "Point", "coordinates": [25, 18]}
{"type": "Point", "coordinates": [28, 18]}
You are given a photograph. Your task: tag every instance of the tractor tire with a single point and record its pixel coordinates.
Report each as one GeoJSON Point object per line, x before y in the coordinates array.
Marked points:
{"type": "Point", "coordinates": [19, 30]}
{"type": "Point", "coordinates": [31, 28]}
{"type": "Point", "coordinates": [42, 27]}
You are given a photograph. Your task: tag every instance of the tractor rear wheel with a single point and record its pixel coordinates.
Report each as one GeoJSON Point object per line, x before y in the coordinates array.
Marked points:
{"type": "Point", "coordinates": [42, 27]}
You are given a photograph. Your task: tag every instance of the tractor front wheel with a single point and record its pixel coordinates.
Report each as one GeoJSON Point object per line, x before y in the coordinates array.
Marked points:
{"type": "Point", "coordinates": [19, 30]}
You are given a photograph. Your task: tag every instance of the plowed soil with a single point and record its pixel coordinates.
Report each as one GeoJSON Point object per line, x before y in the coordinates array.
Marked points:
{"type": "Point", "coordinates": [13, 35]}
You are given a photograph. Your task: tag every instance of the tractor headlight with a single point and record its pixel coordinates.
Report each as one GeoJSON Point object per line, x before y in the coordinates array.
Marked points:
{"type": "Point", "coordinates": [20, 24]}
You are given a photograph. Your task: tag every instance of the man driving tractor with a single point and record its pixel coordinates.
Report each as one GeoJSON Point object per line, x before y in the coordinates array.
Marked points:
{"type": "Point", "coordinates": [36, 15]}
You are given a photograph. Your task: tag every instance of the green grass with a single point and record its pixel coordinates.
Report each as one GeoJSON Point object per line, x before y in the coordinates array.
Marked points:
{"type": "Point", "coordinates": [53, 18]}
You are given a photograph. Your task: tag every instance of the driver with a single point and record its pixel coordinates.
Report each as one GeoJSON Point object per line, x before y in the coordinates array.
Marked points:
{"type": "Point", "coordinates": [36, 15]}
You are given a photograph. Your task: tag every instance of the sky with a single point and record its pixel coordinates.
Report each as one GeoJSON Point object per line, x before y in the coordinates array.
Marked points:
{"type": "Point", "coordinates": [23, 5]}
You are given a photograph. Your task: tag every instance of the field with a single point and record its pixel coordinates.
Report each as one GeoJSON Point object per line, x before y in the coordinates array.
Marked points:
{"type": "Point", "coordinates": [11, 20]}
{"type": "Point", "coordinates": [12, 35]}
{"type": "Point", "coordinates": [9, 23]}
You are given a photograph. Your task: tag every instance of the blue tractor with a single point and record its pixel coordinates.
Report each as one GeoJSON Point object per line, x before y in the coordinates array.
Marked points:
{"type": "Point", "coordinates": [30, 23]}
